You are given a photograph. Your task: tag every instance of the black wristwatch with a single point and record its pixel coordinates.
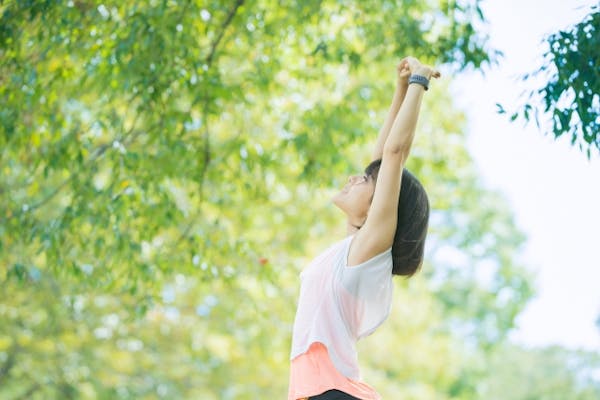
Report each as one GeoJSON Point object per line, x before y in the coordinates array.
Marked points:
{"type": "Point", "coordinates": [420, 79]}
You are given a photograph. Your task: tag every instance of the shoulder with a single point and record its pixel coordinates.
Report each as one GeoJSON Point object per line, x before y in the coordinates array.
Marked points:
{"type": "Point", "coordinates": [364, 247]}
{"type": "Point", "coordinates": [354, 245]}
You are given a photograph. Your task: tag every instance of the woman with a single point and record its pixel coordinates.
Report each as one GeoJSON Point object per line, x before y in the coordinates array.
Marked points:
{"type": "Point", "coordinates": [346, 292]}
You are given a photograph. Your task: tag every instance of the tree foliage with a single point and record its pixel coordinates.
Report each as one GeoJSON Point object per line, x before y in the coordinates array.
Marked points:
{"type": "Point", "coordinates": [125, 124]}
{"type": "Point", "coordinates": [571, 91]}
{"type": "Point", "coordinates": [163, 175]}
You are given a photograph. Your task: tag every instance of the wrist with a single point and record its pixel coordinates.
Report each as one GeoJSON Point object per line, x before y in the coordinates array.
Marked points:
{"type": "Point", "coordinates": [420, 80]}
{"type": "Point", "coordinates": [423, 71]}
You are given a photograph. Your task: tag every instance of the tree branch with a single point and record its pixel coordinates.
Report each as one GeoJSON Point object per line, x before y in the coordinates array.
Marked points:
{"type": "Point", "coordinates": [206, 153]}
{"type": "Point", "coordinates": [213, 47]}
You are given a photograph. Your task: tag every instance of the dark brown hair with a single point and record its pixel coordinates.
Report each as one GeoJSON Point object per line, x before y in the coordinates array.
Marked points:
{"type": "Point", "coordinates": [413, 217]}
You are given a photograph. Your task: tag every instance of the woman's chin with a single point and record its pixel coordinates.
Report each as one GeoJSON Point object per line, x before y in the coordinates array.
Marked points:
{"type": "Point", "coordinates": [337, 200]}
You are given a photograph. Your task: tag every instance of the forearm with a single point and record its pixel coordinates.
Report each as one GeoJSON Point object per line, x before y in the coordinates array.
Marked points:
{"type": "Point", "coordinates": [402, 132]}
{"type": "Point", "coordinates": [397, 100]}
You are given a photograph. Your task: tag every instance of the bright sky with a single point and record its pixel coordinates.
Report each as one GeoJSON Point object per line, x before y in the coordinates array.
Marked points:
{"type": "Point", "coordinates": [554, 191]}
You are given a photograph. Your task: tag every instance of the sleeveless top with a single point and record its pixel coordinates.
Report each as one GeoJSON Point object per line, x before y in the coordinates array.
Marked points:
{"type": "Point", "coordinates": [339, 305]}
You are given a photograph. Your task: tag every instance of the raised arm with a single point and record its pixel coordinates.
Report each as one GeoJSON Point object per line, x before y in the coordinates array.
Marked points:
{"type": "Point", "coordinates": [402, 74]}
{"type": "Point", "coordinates": [377, 233]}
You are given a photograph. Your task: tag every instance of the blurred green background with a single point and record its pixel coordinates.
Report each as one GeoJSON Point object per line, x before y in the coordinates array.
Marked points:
{"type": "Point", "coordinates": [165, 174]}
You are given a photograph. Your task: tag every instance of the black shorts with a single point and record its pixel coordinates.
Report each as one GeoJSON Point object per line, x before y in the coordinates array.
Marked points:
{"type": "Point", "coordinates": [333, 395]}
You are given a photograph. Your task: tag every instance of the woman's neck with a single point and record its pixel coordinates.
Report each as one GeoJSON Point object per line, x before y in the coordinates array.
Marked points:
{"type": "Point", "coordinates": [351, 229]}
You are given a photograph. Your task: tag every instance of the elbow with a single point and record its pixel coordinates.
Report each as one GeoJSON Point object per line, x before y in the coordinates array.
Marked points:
{"type": "Point", "coordinates": [395, 151]}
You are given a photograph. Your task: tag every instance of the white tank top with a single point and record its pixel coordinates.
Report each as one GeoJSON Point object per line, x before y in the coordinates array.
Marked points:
{"type": "Point", "coordinates": [338, 305]}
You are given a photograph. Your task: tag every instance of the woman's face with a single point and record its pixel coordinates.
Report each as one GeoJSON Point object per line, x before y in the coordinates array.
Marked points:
{"type": "Point", "coordinates": [355, 198]}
